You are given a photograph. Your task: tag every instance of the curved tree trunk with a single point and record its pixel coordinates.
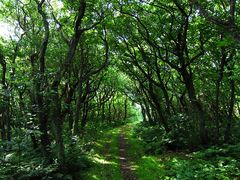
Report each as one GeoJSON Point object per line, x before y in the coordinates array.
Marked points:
{"type": "Point", "coordinates": [198, 114]}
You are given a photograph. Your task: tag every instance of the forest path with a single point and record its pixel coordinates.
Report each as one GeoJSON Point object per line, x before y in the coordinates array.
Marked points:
{"type": "Point", "coordinates": [112, 156]}
{"type": "Point", "coordinates": [125, 165]}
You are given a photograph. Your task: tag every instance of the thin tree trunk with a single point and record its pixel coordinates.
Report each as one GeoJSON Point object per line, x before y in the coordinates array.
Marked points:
{"type": "Point", "coordinates": [125, 108]}
{"type": "Point", "coordinates": [231, 105]}
{"type": "Point", "coordinates": [110, 111]}
{"type": "Point", "coordinates": [84, 116]}
{"type": "Point", "coordinates": [114, 110]}
{"type": "Point", "coordinates": [57, 120]}
{"type": "Point", "coordinates": [76, 128]}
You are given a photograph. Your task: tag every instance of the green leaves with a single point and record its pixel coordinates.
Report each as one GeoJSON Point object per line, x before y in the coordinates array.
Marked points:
{"type": "Point", "coordinates": [226, 42]}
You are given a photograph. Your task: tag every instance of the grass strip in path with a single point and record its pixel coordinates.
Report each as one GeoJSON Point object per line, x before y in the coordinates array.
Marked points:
{"type": "Point", "coordinates": [106, 158]}
{"type": "Point", "coordinates": [145, 167]}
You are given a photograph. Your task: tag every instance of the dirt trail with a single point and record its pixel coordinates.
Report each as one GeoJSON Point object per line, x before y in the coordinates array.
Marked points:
{"type": "Point", "coordinates": [127, 173]}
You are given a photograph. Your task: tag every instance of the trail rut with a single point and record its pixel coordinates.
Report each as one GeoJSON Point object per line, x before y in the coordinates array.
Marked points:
{"type": "Point", "coordinates": [126, 170]}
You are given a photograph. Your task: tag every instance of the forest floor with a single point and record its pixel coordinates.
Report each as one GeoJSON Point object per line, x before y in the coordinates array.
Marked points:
{"type": "Point", "coordinates": [120, 155]}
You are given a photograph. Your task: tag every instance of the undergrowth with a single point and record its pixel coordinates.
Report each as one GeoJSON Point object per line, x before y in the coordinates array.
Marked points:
{"type": "Point", "coordinates": [154, 161]}
{"type": "Point", "coordinates": [22, 163]}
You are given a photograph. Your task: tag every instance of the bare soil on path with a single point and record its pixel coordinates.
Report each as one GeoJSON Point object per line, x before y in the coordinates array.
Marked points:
{"type": "Point", "coordinates": [126, 170]}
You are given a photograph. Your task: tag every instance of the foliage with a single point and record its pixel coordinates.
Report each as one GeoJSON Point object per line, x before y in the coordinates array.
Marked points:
{"type": "Point", "coordinates": [72, 70]}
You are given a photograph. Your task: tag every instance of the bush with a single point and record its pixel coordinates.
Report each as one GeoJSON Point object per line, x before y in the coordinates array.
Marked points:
{"type": "Point", "coordinates": [152, 136]}
{"type": "Point", "coordinates": [156, 140]}
{"type": "Point", "coordinates": [77, 163]}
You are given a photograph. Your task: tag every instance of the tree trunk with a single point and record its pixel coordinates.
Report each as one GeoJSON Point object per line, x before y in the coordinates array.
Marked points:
{"type": "Point", "coordinates": [143, 111]}
{"type": "Point", "coordinates": [198, 113]}
{"type": "Point", "coordinates": [218, 84]}
{"type": "Point", "coordinates": [231, 105]}
{"type": "Point", "coordinates": [158, 108]}
{"type": "Point", "coordinates": [103, 112]}
{"type": "Point", "coordinates": [84, 116]}
{"type": "Point", "coordinates": [114, 110]}
{"type": "Point", "coordinates": [78, 112]}
{"type": "Point", "coordinates": [70, 120]}
{"type": "Point", "coordinates": [40, 82]}
{"type": "Point", "coordinates": [125, 108]}
{"type": "Point", "coordinates": [110, 111]}
{"type": "Point", "coordinates": [57, 120]}
{"type": "Point", "coordinates": [5, 118]}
